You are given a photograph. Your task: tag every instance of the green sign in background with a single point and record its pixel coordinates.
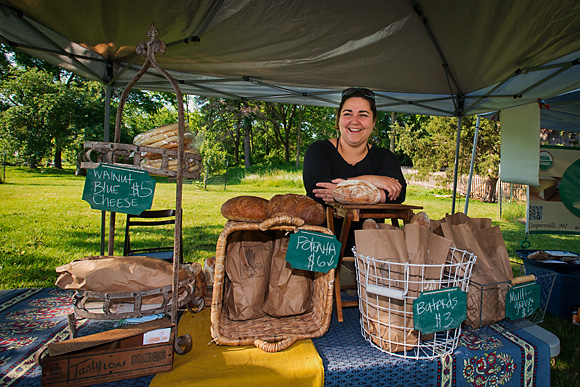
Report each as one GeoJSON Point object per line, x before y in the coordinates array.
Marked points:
{"type": "Point", "coordinates": [119, 189]}
{"type": "Point", "coordinates": [522, 300]}
{"type": "Point", "coordinates": [439, 310]}
{"type": "Point", "coordinates": [313, 251]}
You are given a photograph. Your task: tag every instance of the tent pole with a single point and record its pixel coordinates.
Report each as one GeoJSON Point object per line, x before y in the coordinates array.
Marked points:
{"type": "Point", "coordinates": [473, 152]}
{"type": "Point", "coordinates": [456, 166]}
{"type": "Point", "coordinates": [108, 92]}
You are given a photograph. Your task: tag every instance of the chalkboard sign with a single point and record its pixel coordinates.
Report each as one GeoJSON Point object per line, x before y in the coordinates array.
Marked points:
{"type": "Point", "coordinates": [119, 189]}
{"type": "Point", "coordinates": [439, 310]}
{"type": "Point", "coordinates": [313, 251]}
{"type": "Point", "coordinates": [522, 300]}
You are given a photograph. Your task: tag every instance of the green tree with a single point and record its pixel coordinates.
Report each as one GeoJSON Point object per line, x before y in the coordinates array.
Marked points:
{"type": "Point", "coordinates": [44, 117]}
{"type": "Point", "coordinates": [431, 147]}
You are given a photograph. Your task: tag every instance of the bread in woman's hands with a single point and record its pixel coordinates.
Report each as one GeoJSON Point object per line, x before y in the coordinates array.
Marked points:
{"type": "Point", "coordinates": [300, 206]}
{"type": "Point", "coordinates": [356, 192]}
{"type": "Point", "coordinates": [246, 209]}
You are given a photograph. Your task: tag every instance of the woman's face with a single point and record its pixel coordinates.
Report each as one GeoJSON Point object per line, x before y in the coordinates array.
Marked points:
{"type": "Point", "coordinates": [356, 121]}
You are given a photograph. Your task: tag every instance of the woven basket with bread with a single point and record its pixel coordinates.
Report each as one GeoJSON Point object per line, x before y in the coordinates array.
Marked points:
{"type": "Point", "coordinates": [167, 137]}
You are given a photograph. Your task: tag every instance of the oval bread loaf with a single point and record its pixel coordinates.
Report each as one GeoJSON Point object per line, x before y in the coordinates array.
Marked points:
{"type": "Point", "coordinates": [245, 209]}
{"type": "Point", "coordinates": [300, 206]}
{"type": "Point", "coordinates": [157, 134]}
{"type": "Point", "coordinates": [356, 192]}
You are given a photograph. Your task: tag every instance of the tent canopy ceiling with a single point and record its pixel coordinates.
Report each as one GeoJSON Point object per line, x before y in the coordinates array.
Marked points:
{"type": "Point", "coordinates": [441, 57]}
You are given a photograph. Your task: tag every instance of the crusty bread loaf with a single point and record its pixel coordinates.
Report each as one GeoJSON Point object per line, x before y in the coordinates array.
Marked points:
{"type": "Point", "coordinates": [300, 206]}
{"type": "Point", "coordinates": [356, 192]}
{"type": "Point", "coordinates": [157, 135]}
{"type": "Point", "coordinates": [245, 209]}
{"type": "Point", "coordinates": [370, 224]}
{"type": "Point", "coordinates": [420, 218]}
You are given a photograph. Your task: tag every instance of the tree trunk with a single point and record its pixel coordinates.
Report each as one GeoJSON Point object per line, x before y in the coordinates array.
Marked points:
{"type": "Point", "coordinates": [392, 136]}
{"type": "Point", "coordinates": [58, 156]}
{"type": "Point", "coordinates": [489, 190]}
{"type": "Point", "coordinates": [298, 137]}
{"type": "Point", "coordinates": [247, 150]}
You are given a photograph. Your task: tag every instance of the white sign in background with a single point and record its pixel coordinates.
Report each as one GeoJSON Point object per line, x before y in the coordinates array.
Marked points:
{"type": "Point", "coordinates": [554, 206]}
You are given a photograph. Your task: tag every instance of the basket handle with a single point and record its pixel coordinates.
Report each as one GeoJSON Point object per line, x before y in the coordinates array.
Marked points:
{"type": "Point", "coordinates": [281, 221]}
{"type": "Point", "coordinates": [387, 292]}
{"type": "Point", "coordinates": [274, 347]}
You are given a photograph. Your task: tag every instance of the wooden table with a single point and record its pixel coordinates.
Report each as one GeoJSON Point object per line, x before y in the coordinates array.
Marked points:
{"type": "Point", "coordinates": [354, 213]}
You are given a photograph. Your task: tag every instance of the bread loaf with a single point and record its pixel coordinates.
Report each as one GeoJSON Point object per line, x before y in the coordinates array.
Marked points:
{"type": "Point", "coordinates": [370, 224]}
{"type": "Point", "coordinates": [356, 192]}
{"type": "Point", "coordinates": [158, 134]}
{"type": "Point", "coordinates": [245, 209]}
{"type": "Point", "coordinates": [300, 206]}
{"type": "Point", "coordinates": [420, 218]}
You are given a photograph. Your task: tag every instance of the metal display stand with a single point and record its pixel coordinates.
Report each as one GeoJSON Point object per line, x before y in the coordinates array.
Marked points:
{"type": "Point", "coordinates": [129, 155]}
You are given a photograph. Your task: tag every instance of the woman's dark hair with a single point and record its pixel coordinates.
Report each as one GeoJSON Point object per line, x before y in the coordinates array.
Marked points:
{"type": "Point", "coordinates": [356, 92]}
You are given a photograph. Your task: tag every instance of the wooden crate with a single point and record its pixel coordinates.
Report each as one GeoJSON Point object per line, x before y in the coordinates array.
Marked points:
{"type": "Point", "coordinates": [128, 352]}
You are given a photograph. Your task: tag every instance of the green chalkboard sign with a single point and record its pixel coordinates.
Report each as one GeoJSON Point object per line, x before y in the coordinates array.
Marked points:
{"type": "Point", "coordinates": [119, 189]}
{"type": "Point", "coordinates": [313, 251]}
{"type": "Point", "coordinates": [439, 310]}
{"type": "Point", "coordinates": [522, 300]}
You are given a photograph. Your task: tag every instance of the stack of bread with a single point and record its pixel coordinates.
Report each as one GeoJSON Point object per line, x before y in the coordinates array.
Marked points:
{"type": "Point", "coordinates": [167, 137]}
{"type": "Point", "coordinates": [256, 209]}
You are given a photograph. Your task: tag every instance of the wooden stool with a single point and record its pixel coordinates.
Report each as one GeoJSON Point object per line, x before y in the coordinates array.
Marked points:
{"type": "Point", "coordinates": [353, 213]}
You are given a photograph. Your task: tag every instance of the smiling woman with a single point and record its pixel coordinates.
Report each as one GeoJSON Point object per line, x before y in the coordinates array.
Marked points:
{"type": "Point", "coordinates": [350, 157]}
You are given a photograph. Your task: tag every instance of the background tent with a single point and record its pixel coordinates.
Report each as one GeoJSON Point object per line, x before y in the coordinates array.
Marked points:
{"type": "Point", "coordinates": [434, 57]}
{"type": "Point", "coordinates": [443, 57]}
{"type": "Point", "coordinates": [563, 113]}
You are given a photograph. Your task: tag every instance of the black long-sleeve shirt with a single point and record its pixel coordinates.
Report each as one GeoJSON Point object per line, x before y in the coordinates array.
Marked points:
{"type": "Point", "coordinates": [323, 163]}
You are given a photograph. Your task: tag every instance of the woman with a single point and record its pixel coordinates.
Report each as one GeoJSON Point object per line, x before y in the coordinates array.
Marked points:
{"type": "Point", "coordinates": [350, 156]}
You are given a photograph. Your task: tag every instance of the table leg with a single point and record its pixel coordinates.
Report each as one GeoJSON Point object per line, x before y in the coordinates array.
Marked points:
{"type": "Point", "coordinates": [343, 240]}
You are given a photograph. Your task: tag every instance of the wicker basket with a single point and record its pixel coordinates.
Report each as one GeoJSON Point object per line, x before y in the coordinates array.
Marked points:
{"type": "Point", "coordinates": [271, 334]}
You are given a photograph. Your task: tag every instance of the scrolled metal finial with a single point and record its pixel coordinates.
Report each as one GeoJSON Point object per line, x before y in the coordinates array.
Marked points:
{"type": "Point", "coordinates": [157, 46]}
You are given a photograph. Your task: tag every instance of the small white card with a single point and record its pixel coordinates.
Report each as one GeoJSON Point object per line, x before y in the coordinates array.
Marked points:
{"type": "Point", "coordinates": [157, 336]}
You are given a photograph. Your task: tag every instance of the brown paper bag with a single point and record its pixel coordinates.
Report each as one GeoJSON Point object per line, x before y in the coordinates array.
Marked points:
{"type": "Point", "coordinates": [389, 323]}
{"type": "Point", "coordinates": [248, 257]}
{"type": "Point", "coordinates": [437, 255]}
{"type": "Point", "coordinates": [289, 290]}
{"type": "Point", "coordinates": [116, 274]}
{"type": "Point", "coordinates": [485, 301]}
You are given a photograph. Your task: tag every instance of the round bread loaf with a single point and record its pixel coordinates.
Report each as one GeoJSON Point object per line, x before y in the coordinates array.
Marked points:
{"type": "Point", "coordinates": [420, 218]}
{"type": "Point", "coordinates": [370, 224]}
{"type": "Point", "coordinates": [245, 209]}
{"type": "Point", "coordinates": [356, 192]}
{"type": "Point", "coordinates": [300, 206]}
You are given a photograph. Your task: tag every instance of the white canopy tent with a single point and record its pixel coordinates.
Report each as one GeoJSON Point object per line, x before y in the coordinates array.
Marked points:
{"type": "Point", "coordinates": [434, 57]}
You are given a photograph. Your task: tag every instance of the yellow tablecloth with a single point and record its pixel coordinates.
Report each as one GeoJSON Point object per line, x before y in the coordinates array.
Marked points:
{"type": "Point", "coordinates": [208, 364]}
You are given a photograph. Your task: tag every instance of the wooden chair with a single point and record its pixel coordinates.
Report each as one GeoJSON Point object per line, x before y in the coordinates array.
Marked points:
{"type": "Point", "coordinates": [149, 218]}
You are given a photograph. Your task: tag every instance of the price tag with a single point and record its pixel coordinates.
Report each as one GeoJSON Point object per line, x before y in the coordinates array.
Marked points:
{"type": "Point", "coordinates": [313, 251]}
{"type": "Point", "coordinates": [522, 300]}
{"type": "Point", "coordinates": [439, 310]}
{"type": "Point", "coordinates": [119, 189]}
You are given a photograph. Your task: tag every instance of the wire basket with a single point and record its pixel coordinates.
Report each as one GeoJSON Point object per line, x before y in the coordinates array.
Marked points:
{"type": "Point", "coordinates": [386, 291]}
{"type": "Point", "coordinates": [490, 302]}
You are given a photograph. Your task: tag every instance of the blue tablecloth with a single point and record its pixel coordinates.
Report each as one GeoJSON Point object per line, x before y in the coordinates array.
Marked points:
{"type": "Point", "coordinates": [509, 359]}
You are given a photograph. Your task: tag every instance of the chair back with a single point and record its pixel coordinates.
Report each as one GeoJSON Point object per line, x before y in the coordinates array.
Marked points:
{"type": "Point", "coordinates": [149, 218]}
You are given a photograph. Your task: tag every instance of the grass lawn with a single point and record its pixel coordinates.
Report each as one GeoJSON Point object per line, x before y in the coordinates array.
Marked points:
{"type": "Point", "coordinates": [44, 224]}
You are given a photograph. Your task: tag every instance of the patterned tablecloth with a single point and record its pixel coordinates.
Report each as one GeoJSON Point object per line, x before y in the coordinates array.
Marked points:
{"type": "Point", "coordinates": [508, 359]}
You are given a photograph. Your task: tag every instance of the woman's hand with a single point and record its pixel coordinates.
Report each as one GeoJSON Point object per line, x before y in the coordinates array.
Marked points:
{"type": "Point", "coordinates": [326, 190]}
{"type": "Point", "coordinates": [389, 185]}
